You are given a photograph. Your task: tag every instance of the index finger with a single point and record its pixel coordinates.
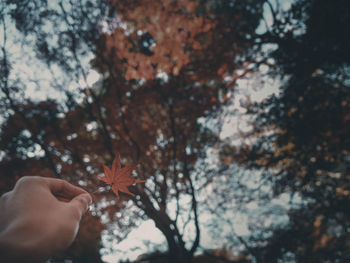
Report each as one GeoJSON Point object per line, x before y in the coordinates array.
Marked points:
{"type": "Point", "coordinates": [62, 188]}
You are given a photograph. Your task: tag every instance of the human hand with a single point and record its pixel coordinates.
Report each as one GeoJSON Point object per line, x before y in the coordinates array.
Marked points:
{"type": "Point", "coordinates": [39, 218]}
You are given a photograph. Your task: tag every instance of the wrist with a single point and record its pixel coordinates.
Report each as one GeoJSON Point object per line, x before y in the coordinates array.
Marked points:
{"type": "Point", "coordinates": [15, 248]}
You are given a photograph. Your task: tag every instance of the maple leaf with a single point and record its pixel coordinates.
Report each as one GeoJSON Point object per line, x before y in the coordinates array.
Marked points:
{"type": "Point", "coordinates": [119, 178]}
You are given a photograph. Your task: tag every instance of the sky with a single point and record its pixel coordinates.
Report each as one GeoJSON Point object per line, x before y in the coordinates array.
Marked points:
{"type": "Point", "coordinates": [39, 82]}
{"type": "Point", "coordinates": [257, 87]}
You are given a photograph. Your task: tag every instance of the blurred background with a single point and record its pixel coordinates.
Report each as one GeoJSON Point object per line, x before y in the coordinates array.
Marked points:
{"type": "Point", "coordinates": [237, 110]}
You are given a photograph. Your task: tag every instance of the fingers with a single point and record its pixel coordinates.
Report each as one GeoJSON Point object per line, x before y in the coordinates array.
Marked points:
{"type": "Point", "coordinates": [80, 204]}
{"type": "Point", "coordinates": [77, 199]}
{"type": "Point", "coordinates": [63, 189]}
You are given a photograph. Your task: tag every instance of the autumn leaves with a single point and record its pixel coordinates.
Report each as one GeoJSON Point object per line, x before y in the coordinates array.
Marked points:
{"type": "Point", "coordinates": [119, 178]}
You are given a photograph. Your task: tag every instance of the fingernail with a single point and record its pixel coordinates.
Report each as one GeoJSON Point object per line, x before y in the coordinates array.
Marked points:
{"type": "Point", "coordinates": [88, 198]}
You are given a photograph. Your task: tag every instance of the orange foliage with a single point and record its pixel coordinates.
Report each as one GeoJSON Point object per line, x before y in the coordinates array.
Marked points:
{"type": "Point", "coordinates": [174, 27]}
{"type": "Point", "coordinates": [119, 178]}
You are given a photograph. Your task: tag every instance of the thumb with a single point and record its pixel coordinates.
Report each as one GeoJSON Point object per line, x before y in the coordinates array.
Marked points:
{"type": "Point", "coordinates": [81, 203]}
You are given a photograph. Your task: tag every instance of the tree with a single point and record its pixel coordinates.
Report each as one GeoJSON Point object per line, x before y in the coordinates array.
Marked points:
{"type": "Point", "coordinates": [132, 110]}
{"type": "Point", "coordinates": [302, 133]}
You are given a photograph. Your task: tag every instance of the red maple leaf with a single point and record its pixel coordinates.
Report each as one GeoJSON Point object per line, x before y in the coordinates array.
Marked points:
{"type": "Point", "coordinates": [119, 178]}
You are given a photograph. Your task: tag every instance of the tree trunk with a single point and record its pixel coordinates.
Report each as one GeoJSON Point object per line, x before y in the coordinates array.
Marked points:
{"type": "Point", "coordinates": [177, 251]}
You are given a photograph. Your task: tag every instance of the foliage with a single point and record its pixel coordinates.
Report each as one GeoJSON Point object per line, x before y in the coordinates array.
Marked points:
{"type": "Point", "coordinates": [119, 178]}
{"type": "Point", "coordinates": [167, 70]}
{"type": "Point", "coordinates": [302, 134]}
{"type": "Point", "coordinates": [161, 73]}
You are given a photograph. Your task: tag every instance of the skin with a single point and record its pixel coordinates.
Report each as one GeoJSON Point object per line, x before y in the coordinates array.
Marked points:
{"type": "Point", "coordinates": [40, 218]}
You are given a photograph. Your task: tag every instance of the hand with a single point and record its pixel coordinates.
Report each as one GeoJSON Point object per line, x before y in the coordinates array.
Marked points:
{"type": "Point", "coordinates": [39, 218]}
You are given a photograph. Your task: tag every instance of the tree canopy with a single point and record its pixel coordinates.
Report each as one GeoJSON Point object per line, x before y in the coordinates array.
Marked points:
{"type": "Point", "coordinates": [302, 133]}
{"type": "Point", "coordinates": [167, 72]}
